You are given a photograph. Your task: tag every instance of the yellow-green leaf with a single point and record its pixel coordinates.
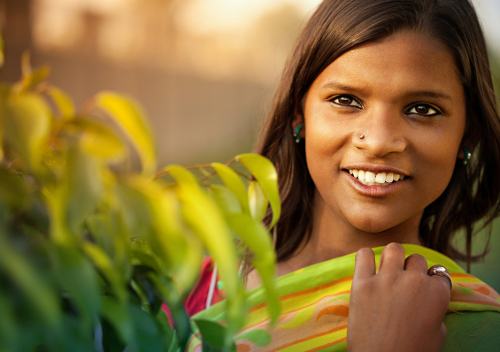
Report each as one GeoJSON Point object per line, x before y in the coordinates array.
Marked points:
{"type": "Point", "coordinates": [258, 240]}
{"type": "Point", "coordinates": [164, 230]}
{"type": "Point", "coordinates": [226, 199]}
{"type": "Point", "coordinates": [206, 220]}
{"type": "Point", "coordinates": [181, 175]}
{"type": "Point", "coordinates": [258, 201]}
{"type": "Point", "coordinates": [26, 124]}
{"type": "Point", "coordinates": [234, 183]}
{"type": "Point", "coordinates": [265, 173]}
{"type": "Point", "coordinates": [130, 117]}
{"type": "Point", "coordinates": [30, 77]}
{"type": "Point", "coordinates": [98, 140]}
{"type": "Point", "coordinates": [63, 102]}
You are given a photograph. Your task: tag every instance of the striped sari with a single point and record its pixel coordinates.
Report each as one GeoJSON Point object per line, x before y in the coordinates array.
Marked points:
{"type": "Point", "coordinates": [315, 307]}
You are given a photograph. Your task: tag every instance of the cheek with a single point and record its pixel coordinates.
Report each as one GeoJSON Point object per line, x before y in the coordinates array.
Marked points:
{"type": "Point", "coordinates": [438, 157]}
{"type": "Point", "coordinates": [323, 141]}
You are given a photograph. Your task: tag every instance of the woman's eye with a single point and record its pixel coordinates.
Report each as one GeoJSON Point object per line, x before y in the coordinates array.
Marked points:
{"type": "Point", "coordinates": [345, 100]}
{"type": "Point", "coordinates": [424, 110]}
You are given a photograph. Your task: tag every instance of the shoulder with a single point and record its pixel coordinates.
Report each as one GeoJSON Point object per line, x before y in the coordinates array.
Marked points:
{"type": "Point", "coordinates": [472, 331]}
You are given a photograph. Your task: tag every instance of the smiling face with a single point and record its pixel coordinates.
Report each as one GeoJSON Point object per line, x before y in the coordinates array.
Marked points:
{"type": "Point", "coordinates": [383, 125]}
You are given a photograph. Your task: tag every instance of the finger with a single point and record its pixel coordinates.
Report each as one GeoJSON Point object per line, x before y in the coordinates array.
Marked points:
{"type": "Point", "coordinates": [364, 265]}
{"type": "Point", "coordinates": [416, 262]}
{"type": "Point", "coordinates": [392, 257]}
{"type": "Point", "coordinates": [443, 277]}
{"type": "Point", "coordinates": [443, 333]}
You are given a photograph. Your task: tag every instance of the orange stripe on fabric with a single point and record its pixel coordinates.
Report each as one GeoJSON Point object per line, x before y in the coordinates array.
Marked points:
{"type": "Point", "coordinates": [309, 338]}
{"type": "Point", "coordinates": [284, 315]}
{"type": "Point", "coordinates": [304, 292]}
{"type": "Point", "coordinates": [480, 303]}
{"type": "Point", "coordinates": [464, 275]}
{"type": "Point", "coordinates": [327, 345]}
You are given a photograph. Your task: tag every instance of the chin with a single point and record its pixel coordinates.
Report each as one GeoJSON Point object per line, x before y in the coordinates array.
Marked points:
{"type": "Point", "coordinates": [372, 225]}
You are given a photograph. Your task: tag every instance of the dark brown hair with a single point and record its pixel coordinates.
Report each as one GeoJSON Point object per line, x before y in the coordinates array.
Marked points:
{"type": "Point", "coordinates": [337, 26]}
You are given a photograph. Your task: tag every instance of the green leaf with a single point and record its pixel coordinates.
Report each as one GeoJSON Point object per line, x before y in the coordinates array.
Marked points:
{"type": "Point", "coordinates": [63, 102]}
{"type": "Point", "coordinates": [168, 332]}
{"type": "Point", "coordinates": [168, 289]}
{"type": "Point", "coordinates": [13, 190]}
{"type": "Point", "coordinates": [78, 278]}
{"type": "Point", "coordinates": [111, 339]}
{"type": "Point", "coordinates": [106, 267]}
{"type": "Point", "coordinates": [39, 293]}
{"type": "Point", "coordinates": [147, 335]}
{"type": "Point", "coordinates": [118, 317]}
{"type": "Point", "coordinates": [130, 117]}
{"type": "Point", "coordinates": [258, 201]}
{"type": "Point", "coordinates": [226, 200]}
{"type": "Point", "coordinates": [255, 235]}
{"type": "Point", "coordinates": [9, 331]}
{"type": "Point", "coordinates": [234, 183]}
{"type": "Point", "coordinates": [26, 124]}
{"type": "Point", "coordinates": [214, 336]}
{"type": "Point", "coordinates": [265, 174]}
{"type": "Point", "coordinates": [76, 196]}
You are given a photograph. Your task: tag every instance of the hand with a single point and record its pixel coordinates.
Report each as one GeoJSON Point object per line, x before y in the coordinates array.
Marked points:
{"type": "Point", "coordinates": [400, 308]}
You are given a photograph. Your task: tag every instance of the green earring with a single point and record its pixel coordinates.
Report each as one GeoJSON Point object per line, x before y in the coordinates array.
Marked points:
{"type": "Point", "coordinates": [296, 134]}
{"type": "Point", "coordinates": [468, 154]}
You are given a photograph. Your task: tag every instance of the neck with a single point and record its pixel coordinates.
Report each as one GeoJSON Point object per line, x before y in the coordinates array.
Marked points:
{"type": "Point", "coordinates": [333, 237]}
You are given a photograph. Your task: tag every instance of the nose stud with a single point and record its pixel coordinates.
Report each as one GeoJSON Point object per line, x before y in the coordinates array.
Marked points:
{"type": "Point", "coordinates": [361, 136]}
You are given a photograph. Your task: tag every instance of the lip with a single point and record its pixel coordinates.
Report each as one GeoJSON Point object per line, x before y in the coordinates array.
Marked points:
{"type": "Point", "coordinates": [375, 191]}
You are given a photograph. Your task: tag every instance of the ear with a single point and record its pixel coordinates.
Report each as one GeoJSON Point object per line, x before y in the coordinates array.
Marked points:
{"type": "Point", "coordinates": [298, 119]}
{"type": "Point", "coordinates": [464, 154]}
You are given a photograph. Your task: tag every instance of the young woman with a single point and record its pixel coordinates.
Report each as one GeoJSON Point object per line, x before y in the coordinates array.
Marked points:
{"type": "Point", "coordinates": [385, 134]}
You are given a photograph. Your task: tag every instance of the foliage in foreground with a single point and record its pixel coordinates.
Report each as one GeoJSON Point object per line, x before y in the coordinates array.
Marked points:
{"type": "Point", "coordinates": [90, 250]}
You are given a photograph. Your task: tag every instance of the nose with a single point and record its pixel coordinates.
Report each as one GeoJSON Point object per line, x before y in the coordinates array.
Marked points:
{"type": "Point", "coordinates": [380, 133]}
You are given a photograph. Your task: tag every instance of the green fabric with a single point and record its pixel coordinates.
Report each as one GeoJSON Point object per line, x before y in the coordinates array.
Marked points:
{"type": "Point", "coordinates": [472, 331]}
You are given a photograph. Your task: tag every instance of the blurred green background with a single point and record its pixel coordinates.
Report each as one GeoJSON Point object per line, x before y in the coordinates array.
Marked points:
{"type": "Point", "coordinates": [205, 70]}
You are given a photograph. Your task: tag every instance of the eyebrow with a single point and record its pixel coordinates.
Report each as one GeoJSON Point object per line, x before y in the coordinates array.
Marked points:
{"type": "Point", "coordinates": [417, 93]}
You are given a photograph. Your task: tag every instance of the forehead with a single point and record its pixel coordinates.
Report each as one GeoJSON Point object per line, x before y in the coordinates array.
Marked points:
{"type": "Point", "coordinates": [403, 59]}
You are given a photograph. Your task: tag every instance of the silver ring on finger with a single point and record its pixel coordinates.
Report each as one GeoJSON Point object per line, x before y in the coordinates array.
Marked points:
{"type": "Point", "coordinates": [440, 270]}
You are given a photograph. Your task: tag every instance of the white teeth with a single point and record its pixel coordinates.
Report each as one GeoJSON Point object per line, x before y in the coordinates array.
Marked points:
{"type": "Point", "coordinates": [361, 175]}
{"type": "Point", "coordinates": [380, 178]}
{"type": "Point", "coordinates": [370, 178]}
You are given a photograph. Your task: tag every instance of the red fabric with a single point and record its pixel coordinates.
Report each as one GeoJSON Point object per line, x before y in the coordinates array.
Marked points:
{"type": "Point", "coordinates": [197, 298]}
